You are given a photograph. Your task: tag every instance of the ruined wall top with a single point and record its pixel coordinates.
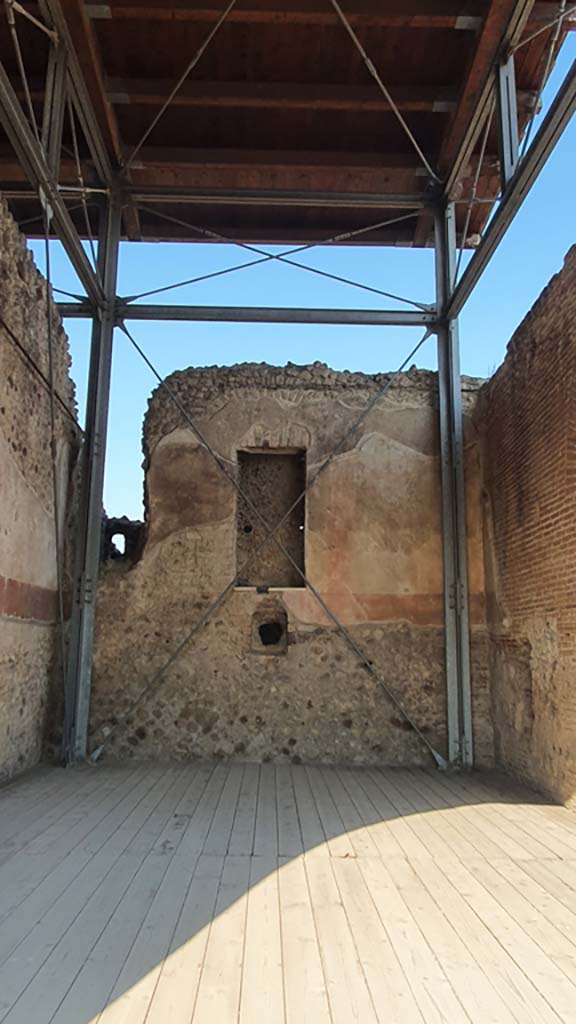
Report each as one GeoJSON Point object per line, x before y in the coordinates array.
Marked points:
{"type": "Point", "coordinates": [197, 387]}
{"type": "Point", "coordinates": [549, 311]}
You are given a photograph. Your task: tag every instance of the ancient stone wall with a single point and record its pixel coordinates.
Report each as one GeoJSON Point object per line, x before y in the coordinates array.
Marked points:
{"type": "Point", "coordinates": [28, 607]}
{"type": "Point", "coordinates": [527, 414]}
{"type": "Point", "coordinates": [269, 676]}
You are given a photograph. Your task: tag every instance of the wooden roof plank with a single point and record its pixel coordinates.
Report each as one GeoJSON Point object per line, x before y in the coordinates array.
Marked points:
{"type": "Point", "coordinates": [459, 14]}
{"type": "Point", "coordinates": [295, 95]}
{"type": "Point", "coordinates": [286, 95]}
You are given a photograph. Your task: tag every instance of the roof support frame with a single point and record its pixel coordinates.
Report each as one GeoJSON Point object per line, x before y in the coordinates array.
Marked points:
{"type": "Point", "coordinates": [455, 162]}
{"type": "Point", "coordinates": [105, 149]}
{"type": "Point", "coordinates": [503, 25]}
{"type": "Point", "coordinates": [54, 15]}
{"type": "Point", "coordinates": [33, 160]}
{"type": "Point", "coordinates": [553, 125]}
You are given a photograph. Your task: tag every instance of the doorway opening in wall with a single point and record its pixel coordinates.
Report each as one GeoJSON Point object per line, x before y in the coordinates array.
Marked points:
{"type": "Point", "coordinates": [272, 481]}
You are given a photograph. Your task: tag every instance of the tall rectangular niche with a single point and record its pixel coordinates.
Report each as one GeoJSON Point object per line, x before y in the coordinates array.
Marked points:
{"type": "Point", "coordinates": [272, 481]}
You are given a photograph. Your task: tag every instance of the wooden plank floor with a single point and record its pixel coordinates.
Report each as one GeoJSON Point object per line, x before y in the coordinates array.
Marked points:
{"type": "Point", "coordinates": [188, 894]}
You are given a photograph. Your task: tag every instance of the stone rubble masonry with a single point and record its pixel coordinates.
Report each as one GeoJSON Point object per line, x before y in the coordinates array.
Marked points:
{"type": "Point", "coordinates": [28, 602]}
{"type": "Point", "coordinates": [373, 548]}
{"type": "Point", "coordinates": [527, 416]}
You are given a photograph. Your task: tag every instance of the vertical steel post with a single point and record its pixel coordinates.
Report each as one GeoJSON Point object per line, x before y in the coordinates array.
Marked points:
{"type": "Point", "coordinates": [457, 631]}
{"type": "Point", "coordinates": [79, 668]}
{"type": "Point", "coordinates": [507, 118]}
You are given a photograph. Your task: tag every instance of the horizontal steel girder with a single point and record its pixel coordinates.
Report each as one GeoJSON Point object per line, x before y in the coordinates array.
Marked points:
{"type": "Point", "coordinates": [259, 314]}
{"type": "Point", "coordinates": [552, 127]}
{"type": "Point", "coordinates": [259, 197]}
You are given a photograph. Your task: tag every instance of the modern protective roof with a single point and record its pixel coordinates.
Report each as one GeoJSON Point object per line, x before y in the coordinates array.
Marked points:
{"type": "Point", "coordinates": [281, 132]}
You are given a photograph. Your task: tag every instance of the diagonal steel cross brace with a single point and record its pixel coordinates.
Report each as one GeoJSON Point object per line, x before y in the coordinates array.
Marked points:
{"type": "Point", "coordinates": [180, 82]}
{"type": "Point", "coordinates": [267, 257]}
{"type": "Point", "coordinates": [282, 257]}
{"type": "Point", "coordinates": [372, 70]}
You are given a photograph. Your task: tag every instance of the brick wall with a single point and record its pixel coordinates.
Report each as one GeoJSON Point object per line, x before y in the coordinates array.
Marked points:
{"type": "Point", "coordinates": [28, 601]}
{"type": "Point", "coordinates": [527, 414]}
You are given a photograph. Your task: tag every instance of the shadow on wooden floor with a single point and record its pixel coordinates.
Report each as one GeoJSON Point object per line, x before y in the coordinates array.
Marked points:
{"type": "Point", "coordinates": [216, 892]}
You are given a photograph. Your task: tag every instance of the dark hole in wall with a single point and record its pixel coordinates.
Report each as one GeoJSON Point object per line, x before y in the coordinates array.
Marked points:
{"type": "Point", "coordinates": [270, 633]}
{"type": "Point", "coordinates": [118, 541]}
{"type": "Point", "coordinates": [123, 539]}
{"type": "Point", "coordinates": [269, 629]}
{"type": "Point", "coordinates": [272, 482]}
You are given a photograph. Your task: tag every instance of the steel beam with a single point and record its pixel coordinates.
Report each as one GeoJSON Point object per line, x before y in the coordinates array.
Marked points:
{"type": "Point", "coordinates": [31, 156]}
{"type": "Point", "coordinates": [54, 107]}
{"type": "Point", "coordinates": [263, 197]}
{"type": "Point", "coordinates": [457, 630]}
{"type": "Point", "coordinates": [79, 667]}
{"type": "Point", "coordinates": [507, 118]}
{"type": "Point", "coordinates": [552, 127]}
{"type": "Point", "coordinates": [263, 315]}
{"type": "Point", "coordinates": [258, 314]}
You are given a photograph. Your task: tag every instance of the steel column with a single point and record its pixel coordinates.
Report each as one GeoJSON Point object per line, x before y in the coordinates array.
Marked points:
{"type": "Point", "coordinates": [457, 631]}
{"type": "Point", "coordinates": [79, 668]}
{"type": "Point", "coordinates": [507, 118]}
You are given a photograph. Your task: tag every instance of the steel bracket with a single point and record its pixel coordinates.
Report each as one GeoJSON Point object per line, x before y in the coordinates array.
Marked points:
{"type": "Point", "coordinates": [507, 118]}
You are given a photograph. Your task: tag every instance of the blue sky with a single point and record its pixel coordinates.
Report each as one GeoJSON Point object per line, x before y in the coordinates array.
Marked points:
{"type": "Point", "coordinates": [532, 251]}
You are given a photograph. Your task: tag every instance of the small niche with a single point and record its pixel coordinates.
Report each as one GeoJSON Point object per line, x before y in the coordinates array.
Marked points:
{"type": "Point", "coordinates": [269, 634]}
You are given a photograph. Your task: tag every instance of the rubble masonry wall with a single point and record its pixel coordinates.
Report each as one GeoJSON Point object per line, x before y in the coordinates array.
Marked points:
{"type": "Point", "coordinates": [28, 606]}
{"type": "Point", "coordinates": [373, 548]}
